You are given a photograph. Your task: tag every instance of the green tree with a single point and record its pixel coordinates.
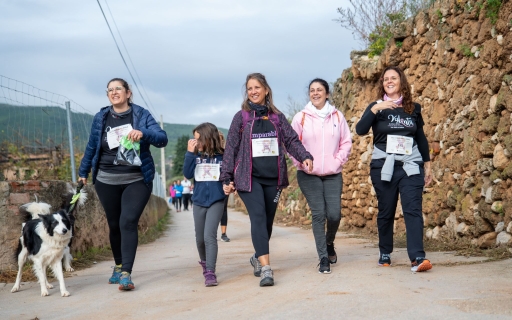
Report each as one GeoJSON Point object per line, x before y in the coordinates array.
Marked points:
{"type": "Point", "coordinates": [179, 155]}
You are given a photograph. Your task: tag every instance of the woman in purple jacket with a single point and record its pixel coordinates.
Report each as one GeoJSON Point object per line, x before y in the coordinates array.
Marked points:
{"type": "Point", "coordinates": [254, 165]}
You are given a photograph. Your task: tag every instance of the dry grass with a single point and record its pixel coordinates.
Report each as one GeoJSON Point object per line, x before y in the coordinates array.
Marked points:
{"type": "Point", "coordinates": [460, 246]}
{"type": "Point", "coordinates": [87, 259]}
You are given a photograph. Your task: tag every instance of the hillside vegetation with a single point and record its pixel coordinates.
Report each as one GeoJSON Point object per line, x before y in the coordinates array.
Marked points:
{"type": "Point", "coordinates": [39, 128]}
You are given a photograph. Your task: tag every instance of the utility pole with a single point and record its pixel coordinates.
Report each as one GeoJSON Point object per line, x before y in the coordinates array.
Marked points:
{"type": "Point", "coordinates": [71, 151]}
{"type": "Point", "coordinates": [162, 159]}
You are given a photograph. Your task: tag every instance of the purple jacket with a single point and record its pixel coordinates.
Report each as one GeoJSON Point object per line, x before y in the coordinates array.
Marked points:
{"type": "Point", "coordinates": [237, 160]}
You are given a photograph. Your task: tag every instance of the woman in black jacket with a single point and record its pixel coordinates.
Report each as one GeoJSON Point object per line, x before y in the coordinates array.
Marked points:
{"type": "Point", "coordinates": [400, 164]}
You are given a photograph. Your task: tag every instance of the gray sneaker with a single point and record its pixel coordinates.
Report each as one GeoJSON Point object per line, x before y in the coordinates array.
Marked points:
{"type": "Point", "coordinates": [267, 277]}
{"type": "Point", "coordinates": [256, 264]}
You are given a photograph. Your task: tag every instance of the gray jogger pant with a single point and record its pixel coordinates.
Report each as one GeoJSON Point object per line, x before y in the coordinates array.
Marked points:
{"type": "Point", "coordinates": [323, 194]}
{"type": "Point", "coordinates": [206, 223]}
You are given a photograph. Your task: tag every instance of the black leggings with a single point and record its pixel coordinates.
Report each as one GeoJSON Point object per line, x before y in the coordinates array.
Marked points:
{"type": "Point", "coordinates": [224, 219]}
{"type": "Point", "coordinates": [261, 204]}
{"type": "Point", "coordinates": [123, 205]}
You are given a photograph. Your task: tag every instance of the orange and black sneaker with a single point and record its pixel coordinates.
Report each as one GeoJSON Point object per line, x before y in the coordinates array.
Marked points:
{"type": "Point", "coordinates": [385, 260]}
{"type": "Point", "coordinates": [420, 265]}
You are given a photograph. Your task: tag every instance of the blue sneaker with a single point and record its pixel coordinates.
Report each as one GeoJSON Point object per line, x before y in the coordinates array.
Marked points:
{"type": "Point", "coordinates": [125, 282]}
{"type": "Point", "coordinates": [384, 260]}
{"type": "Point", "coordinates": [116, 274]}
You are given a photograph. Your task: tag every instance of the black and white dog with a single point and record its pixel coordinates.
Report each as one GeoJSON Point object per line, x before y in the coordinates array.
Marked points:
{"type": "Point", "coordinates": [45, 240]}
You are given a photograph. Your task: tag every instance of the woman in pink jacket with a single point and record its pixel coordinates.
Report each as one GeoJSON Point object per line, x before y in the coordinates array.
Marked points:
{"type": "Point", "coordinates": [325, 134]}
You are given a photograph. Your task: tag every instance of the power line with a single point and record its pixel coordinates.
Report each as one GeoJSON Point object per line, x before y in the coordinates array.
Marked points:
{"type": "Point", "coordinates": [122, 57]}
{"type": "Point", "coordinates": [128, 53]}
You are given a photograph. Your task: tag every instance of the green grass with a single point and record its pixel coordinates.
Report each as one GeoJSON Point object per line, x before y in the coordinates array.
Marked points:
{"type": "Point", "coordinates": [465, 49]}
{"type": "Point", "coordinates": [493, 8]}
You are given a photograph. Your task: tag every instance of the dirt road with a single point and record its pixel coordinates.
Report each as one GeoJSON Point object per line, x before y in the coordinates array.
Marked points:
{"type": "Point", "coordinates": [170, 284]}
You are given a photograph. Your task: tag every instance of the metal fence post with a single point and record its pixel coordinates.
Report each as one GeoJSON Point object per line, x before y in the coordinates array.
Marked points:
{"type": "Point", "coordinates": [71, 151]}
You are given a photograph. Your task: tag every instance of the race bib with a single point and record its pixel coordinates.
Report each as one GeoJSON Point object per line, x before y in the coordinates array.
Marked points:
{"type": "Point", "coordinates": [207, 172]}
{"type": "Point", "coordinates": [114, 135]}
{"type": "Point", "coordinates": [399, 144]}
{"type": "Point", "coordinates": [266, 147]}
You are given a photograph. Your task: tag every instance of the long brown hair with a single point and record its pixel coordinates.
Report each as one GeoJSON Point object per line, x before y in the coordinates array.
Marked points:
{"type": "Point", "coordinates": [269, 102]}
{"type": "Point", "coordinates": [405, 88]}
{"type": "Point", "coordinates": [209, 139]}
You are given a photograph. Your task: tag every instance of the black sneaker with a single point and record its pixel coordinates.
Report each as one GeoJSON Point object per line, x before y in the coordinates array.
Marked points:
{"type": "Point", "coordinates": [267, 277]}
{"type": "Point", "coordinates": [385, 260]}
{"type": "Point", "coordinates": [256, 264]}
{"type": "Point", "coordinates": [224, 238]}
{"type": "Point", "coordinates": [325, 266]}
{"type": "Point", "coordinates": [333, 258]}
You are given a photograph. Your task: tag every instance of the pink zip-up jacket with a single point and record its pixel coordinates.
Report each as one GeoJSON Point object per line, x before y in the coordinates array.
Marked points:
{"type": "Point", "coordinates": [328, 140]}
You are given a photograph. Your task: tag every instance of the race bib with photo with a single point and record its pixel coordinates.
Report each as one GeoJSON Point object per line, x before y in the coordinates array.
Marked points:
{"type": "Point", "coordinates": [265, 147]}
{"type": "Point", "coordinates": [114, 135]}
{"type": "Point", "coordinates": [207, 172]}
{"type": "Point", "coordinates": [399, 144]}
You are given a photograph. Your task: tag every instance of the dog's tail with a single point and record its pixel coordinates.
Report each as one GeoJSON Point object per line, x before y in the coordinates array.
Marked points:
{"type": "Point", "coordinates": [32, 210]}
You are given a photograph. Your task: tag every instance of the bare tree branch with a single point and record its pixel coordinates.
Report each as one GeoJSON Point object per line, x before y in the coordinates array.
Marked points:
{"type": "Point", "coordinates": [367, 16]}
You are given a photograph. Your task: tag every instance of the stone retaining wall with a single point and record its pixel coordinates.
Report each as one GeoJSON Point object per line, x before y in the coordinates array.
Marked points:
{"type": "Point", "coordinates": [459, 66]}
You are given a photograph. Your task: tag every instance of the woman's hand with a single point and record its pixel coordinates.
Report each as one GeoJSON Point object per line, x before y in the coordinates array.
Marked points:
{"type": "Point", "coordinates": [308, 163]}
{"type": "Point", "coordinates": [192, 143]}
{"type": "Point", "coordinates": [84, 180]}
{"type": "Point", "coordinates": [134, 135]}
{"type": "Point", "coordinates": [428, 173]}
{"type": "Point", "coordinates": [384, 105]}
{"type": "Point", "coordinates": [228, 188]}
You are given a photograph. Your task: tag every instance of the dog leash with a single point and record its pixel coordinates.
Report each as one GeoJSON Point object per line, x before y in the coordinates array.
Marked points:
{"type": "Point", "coordinates": [76, 196]}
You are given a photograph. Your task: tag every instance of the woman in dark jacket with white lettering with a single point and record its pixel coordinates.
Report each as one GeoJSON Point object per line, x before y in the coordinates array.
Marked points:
{"type": "Point", "coordinates": [400, 164]}
{"type": "Point", "coordinates": [123, 190]}
{"type": "Point", "coordinates": [254, 164]}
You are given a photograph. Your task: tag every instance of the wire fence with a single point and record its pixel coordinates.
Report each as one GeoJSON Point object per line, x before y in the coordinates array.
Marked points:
{"type": "Point", "coordinates": [34, 138]}
{"type": "Point", "coordinates": [34, 120]}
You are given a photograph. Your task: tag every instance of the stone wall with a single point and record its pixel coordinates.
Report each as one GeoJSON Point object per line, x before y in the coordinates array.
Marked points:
{"type": "Point", "coordinates": [459, 66]}
{"type": "Point", "coordinates": [91, 228]}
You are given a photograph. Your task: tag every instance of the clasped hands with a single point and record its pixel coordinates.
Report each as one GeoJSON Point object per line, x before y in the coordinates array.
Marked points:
{"type": "Point", "coordinates": [230, 188]}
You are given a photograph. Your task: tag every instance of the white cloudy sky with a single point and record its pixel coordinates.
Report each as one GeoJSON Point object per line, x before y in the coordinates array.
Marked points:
{"type": "Point", "coordinates": [192, 56]}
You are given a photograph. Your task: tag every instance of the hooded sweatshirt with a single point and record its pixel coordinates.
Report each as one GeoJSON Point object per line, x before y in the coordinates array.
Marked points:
{"type": "Point", "coordinates": [326, 135]}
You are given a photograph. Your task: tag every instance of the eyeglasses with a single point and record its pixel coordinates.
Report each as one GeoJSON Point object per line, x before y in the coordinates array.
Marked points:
{"type": "Point", "coordinates": [117, 89]}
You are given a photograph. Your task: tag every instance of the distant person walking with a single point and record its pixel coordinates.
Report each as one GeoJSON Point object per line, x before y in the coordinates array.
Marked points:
{"type": "Point", "coordinates": [400, 164]}
{"type": "Point", "coordinates": [325, 134]}
{"type": "Point", "coordinates": [202, 162]}
{"type": "Point", "coordinates": [186, 184]}
{"type": "Point", "coordinates": [224, 221]}
{"type": "Point", "coordinates": [123, 190]}
{"type": "Point", "coordinates": [178, 188]}
{"type": "Point", "coordinates": [255, 165]}
{"type": "Point", "coordinates": [172, 194]}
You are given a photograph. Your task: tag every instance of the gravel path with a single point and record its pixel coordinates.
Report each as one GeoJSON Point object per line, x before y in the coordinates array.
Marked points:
{"type": "Point", "coordinates": [169, 283]}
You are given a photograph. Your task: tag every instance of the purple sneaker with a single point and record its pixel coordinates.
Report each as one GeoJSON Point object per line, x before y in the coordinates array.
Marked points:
{"type": "Point", "coordinates": [203, 264]}
{"type": "Point", "coordinates": [210, 279]}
